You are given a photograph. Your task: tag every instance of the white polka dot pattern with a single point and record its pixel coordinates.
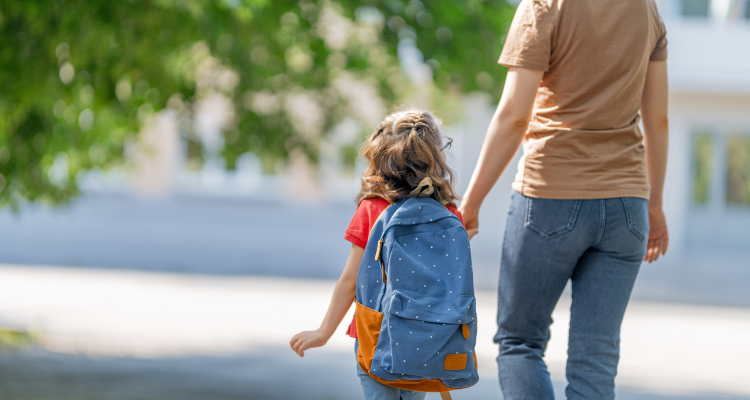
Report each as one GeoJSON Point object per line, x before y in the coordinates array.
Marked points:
{"type": "Point", "coordinates": [426, 318]}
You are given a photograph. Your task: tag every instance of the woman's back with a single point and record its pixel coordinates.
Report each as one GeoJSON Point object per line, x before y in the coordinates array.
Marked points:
{"type": "Point", "coordinates": [598, 62]}
{"type": "Point", "coordinates": [583, 211]}
{"type": "Point", "coordinates": [583, 140]}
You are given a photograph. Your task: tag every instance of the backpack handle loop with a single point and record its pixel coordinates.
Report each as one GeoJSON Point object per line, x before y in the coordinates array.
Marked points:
{"type": "Point", "coordinates": [424, 189]}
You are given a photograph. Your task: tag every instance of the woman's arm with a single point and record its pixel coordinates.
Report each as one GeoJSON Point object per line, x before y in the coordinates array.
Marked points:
{"type": "Point", "coordinates": [343, 296]}
{"type": "Point", "coordinates": [654, 109]}
{"type": "Point", "coordinates": [503, 137]}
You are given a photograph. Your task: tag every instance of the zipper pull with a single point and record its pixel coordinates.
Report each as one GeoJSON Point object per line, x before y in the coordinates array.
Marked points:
{"type": "Point", "coordinates": [380, 247]}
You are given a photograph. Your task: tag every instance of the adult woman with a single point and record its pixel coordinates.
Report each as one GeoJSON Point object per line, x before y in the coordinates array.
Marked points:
{"type": "Point", "coordinates": [588, 186]}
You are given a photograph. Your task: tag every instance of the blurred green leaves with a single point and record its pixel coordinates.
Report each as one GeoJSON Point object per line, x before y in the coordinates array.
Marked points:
{"type": "Point", "coordinates": [11, 339]}
{"type": "Point", "coordinates": [738, 169]}
{"type": "Point", "coordinates": [703, 148]}
{"type": "Point", "coordinates": [79, 78]}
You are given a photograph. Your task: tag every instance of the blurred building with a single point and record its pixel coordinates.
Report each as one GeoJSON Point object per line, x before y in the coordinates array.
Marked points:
{"type": "Point", "coordinates": [708, 183]}
{"type": "Point", "coordinates": [707, 193]}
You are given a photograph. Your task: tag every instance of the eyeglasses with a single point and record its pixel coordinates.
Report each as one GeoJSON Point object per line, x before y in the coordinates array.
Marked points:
{"type": "Point", "coordinates": [447, 145]}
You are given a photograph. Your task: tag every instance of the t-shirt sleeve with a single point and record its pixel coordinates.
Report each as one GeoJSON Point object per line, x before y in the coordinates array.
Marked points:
{"type": "Point", "coordinates": [660, 50]}
{"type": "Point", "coordinates": [457, 213]}
{"type": "Point", "coordinates": [529, 41]}
{"type": "Point", "coordinates": [364, 218]}
{"type": "Point", "coordinates": [358, 229]}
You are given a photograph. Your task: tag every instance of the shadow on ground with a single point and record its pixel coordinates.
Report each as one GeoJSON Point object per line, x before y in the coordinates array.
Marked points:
{"type": "Point", "coordinates": [269, 373]}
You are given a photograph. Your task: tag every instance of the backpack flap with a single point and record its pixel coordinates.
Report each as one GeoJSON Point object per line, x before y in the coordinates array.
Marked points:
{"type": "Point", "coordinates": [413, 305]}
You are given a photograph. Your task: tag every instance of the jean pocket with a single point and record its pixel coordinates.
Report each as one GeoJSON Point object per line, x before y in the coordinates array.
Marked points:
{"type": "Point", "coordinates": [636, 212]}
{"type": "Point", "coordinates": [550, 218]}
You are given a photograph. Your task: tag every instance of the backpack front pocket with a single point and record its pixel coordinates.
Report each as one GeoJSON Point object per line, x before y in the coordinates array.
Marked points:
{"type": "Point", "coordinates": [429, 337]}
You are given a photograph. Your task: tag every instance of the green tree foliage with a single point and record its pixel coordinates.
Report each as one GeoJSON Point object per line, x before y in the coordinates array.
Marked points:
{"type": "Point", "coordinates": [461, 41]}
{"type": "Point", "coordinates": [78, 78]}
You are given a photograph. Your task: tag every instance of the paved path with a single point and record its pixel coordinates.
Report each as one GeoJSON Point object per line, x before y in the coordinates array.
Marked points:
{"type": "Point", "coordinates": [109, 334]}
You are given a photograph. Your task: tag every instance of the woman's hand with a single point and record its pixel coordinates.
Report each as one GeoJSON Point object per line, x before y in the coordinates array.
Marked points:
{"type": "Point", "coordinates": [471, 219]}
{"type": "Point", "coordinates": [307, 340]}
{"type": "Point", "coordinates": [658, 237]}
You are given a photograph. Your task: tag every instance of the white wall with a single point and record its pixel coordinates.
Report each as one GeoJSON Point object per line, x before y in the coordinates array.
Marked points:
{"type": "Point", "coordinates": [709, 77]}
{"type": "Point", "coordinates": [705, 56]}
{"type": "Point", "coordinates": [716, 225]}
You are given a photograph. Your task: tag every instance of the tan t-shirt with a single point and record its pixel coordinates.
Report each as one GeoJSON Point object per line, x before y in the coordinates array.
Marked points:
{"type": "Point", "coordinates": [583, 140]}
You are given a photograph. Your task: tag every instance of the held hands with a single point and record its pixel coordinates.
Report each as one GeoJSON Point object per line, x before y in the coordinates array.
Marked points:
{"type": "Point", "coordinates": [471, 219]}
{"type": "Point", "coordinates": [658, 237]}
{"type": "Point", "coordinates": [307, 340]}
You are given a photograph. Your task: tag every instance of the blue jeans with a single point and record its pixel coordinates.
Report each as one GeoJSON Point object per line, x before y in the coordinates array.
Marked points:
{"type": "Point", "coordinates": [596, 244]}
{"type": "Point", "coordinates": [375, 390]}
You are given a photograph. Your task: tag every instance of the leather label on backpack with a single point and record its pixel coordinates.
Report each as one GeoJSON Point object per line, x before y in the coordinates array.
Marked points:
{"type": "Point", "coordinates": [455, 362]}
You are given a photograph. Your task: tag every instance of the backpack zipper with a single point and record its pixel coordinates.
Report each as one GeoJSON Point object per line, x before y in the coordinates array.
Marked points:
{"type": "Point", "coordinates": [380, 247]}
{"type": "Point", "coordinates": [382, 264]}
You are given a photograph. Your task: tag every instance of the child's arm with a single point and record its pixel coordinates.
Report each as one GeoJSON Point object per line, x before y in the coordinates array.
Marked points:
{"type": "Point", "coordinates": [343, 296]}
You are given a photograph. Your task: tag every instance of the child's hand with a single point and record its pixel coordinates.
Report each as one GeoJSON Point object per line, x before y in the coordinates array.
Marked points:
{"type": "Point", "coordinates": [306, 340]}
{"type": "Point", "coordinates": [472, 232]}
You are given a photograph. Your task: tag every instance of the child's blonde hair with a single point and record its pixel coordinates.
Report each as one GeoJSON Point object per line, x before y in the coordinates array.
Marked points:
{"type": "Point", "coordinates": [404, 149]}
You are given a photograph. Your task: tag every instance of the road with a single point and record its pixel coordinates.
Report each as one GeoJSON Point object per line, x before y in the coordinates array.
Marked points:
{"type": "Point", "coordinates": [113, 334]}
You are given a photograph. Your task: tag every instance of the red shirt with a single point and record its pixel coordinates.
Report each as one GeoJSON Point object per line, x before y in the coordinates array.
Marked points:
{"type": "Point", "coordinates": [359, 229]}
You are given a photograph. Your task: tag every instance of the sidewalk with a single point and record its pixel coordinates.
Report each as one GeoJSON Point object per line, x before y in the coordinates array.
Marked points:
{"type": "Point", "coordinates": [107, 334]}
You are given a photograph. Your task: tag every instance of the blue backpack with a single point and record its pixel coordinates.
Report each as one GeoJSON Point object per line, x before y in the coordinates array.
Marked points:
{"type": "Point", "coordinates": [416, 312]}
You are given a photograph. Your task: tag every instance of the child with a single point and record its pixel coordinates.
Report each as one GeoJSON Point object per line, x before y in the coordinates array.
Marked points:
{"type": "Point", "coordinates": [406, 149]}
